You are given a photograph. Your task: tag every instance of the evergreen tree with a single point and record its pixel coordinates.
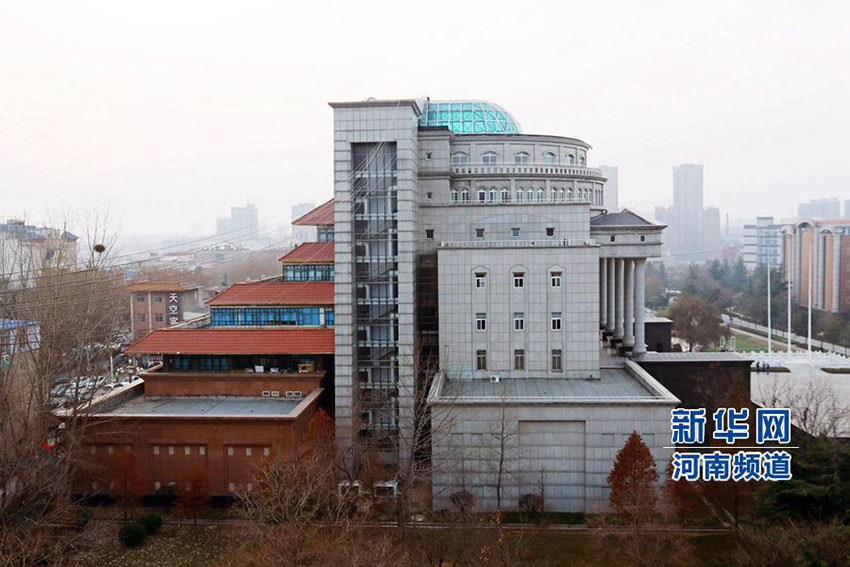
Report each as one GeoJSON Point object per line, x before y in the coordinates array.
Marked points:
{"type": "Point", "coordinates": [632, 481]}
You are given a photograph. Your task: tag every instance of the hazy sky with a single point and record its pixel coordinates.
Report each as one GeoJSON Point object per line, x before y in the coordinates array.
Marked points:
{"type": "Point", "coordinates": [170, 112]}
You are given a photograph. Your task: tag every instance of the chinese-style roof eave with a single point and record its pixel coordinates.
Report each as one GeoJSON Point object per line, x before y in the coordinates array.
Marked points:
{"type": "Point", "coordinates": [224, 341]}
{"type": "Point", "coordinates": [323, 215]}
{"type": "Point", "coordinates": [310, 253]}
{"type": "Point", "coordinates": [276, 293]}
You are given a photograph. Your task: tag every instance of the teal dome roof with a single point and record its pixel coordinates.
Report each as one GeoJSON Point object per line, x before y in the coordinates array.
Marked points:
{"type": "Point", "coordinates": [469, 117]}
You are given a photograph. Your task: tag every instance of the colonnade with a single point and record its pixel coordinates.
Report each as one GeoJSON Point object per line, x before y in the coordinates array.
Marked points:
{"type": "Point", "coordinates": [622, 309]}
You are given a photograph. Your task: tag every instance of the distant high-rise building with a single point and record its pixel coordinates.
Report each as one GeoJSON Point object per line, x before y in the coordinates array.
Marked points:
{"type": "Point", "coordinates": [712, 236]}
{"type": "Point", "coordinates": [820, 209]}
{"type": "Point", "coordinates": [302, 233]}
{"type": "Point", "coordinates": [847, 209]}
{"type": "Point", "coordinates": [688, 207]}
{"type": "Point", "coordinates": [243, 223]}
{"type": "Point", "coordinates": [612, 191]}
{"type": "Point", "coordinates": [762, 243]}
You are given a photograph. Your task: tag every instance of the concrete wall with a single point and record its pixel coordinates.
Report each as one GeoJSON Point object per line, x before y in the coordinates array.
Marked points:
{"type": "Point", "coordinates": [577, 301]}
{"type": "Point", "coordinates": [570, 449]}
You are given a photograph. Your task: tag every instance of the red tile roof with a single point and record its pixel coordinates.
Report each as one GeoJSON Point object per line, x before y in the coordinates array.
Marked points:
{"type": "Point", "coordinates": [323, 215]}
{"type": "Point", "coordinates": [235, 341]}
{"type": "Point", "coordinates": [310, 253]}
{"type": "Point", "coordinates": [276, 293]}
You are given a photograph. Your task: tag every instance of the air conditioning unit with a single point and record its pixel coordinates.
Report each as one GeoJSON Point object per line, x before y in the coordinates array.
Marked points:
{"type": "Point", "coordinates": [293, 393]}
{"type": "Point", "coordinates": [266, 394]}
{"type": "Point", "coordinates": [275, 394]}
{"type": "Point", "coordinates": [494, 378]}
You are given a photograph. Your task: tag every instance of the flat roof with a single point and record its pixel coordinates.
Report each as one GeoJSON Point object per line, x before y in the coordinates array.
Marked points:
{"type": "Point", "coordinates": [691, 357]}
{"type": "Point", "coordinates": [615, 385]}
{"type": "Point", "coordinates": [211, 407]}
{"type": "Point", "coordinates": [243, 340]}
{"type": "Point", "coordinates": [276, 293]}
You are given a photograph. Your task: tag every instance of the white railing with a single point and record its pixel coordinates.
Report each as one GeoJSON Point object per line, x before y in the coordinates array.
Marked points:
{"type": "Point", "coordinates": [525, 168]}
{"type": "Point", "coordinates": [542, 243]}
{"type": "Point", "coordinates": [799, 340]}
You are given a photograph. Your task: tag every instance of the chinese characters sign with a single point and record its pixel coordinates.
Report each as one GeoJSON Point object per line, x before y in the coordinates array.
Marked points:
{"type": "Point", "coordinates": [773, 425]}
{"type": "Point", "coordinates": [173, 308]}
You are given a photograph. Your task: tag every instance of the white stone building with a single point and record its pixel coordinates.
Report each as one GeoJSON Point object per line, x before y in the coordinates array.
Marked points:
{"type": "Point", "coordinates": [488, 253]}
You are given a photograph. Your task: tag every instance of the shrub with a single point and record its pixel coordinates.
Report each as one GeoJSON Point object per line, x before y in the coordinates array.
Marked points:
{"type": "Point", "coordinates": [152, 522]}
{"type": "Point", "coordinates": [463, 501]}
{"type": "Point", "coordinates": [531, 503]}
{"type": "Point", "coordinates": [133, 535]}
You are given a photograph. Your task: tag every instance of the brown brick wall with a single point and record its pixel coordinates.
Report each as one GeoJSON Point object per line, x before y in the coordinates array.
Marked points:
{"type": "Point", "coordinates": [160, 447]}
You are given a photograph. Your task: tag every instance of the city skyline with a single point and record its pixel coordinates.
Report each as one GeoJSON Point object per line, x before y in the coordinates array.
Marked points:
{"type": "Point", "coordinates": [95, 112]}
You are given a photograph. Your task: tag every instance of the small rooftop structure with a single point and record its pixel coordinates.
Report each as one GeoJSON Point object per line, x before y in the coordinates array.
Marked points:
{"type": "Point", "coordinates": [276, 293]}
{"type": "Point", "coordinates": [242, 341]}
{"type": "Point", "coordinates": [323, 215]}
{"type": "Point", "coordinates": [622, 218]}
{"type": "Point", "coordinates": [207, 407]}
{"type": "Point", "coordinates": [310, 253]}
{"type": "Point", "coordinates": [469, 117]}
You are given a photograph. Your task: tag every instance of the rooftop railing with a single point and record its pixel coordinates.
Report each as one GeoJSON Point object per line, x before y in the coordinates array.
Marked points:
{"type": "Point", "coordinates": [574, 170]}
{"type": "Point", "coordinates": [539, 243]}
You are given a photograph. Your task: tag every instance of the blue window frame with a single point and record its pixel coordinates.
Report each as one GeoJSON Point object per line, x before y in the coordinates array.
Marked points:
{"type": "Point", "coordinates": [269, 316]}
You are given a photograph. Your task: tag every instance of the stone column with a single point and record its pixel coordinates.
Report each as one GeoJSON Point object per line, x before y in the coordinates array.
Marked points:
{"type": "Point", "coordinates": [640, 307]}
{"type": "Point", "coordinates": [610, 280]}
{"type": "Point", "coordinates": [603, 292]}
{"type": "Point", "coordinates": [618, 312]}
{"type": "Point", "coordinates": [629, 305]}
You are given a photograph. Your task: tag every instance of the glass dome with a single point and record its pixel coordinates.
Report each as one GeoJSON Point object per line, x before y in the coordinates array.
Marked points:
{"type": "Point", "coordinates": [469, 117]}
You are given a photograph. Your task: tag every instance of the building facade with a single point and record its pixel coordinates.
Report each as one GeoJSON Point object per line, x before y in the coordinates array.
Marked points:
{"type": "Point", "coordinates": [469, 254]}
{"type": "Point", "coordinates": [819, 209]}
{"type": "Point", "coordinates": [762, 243]}
{"type": "Point", "coordinates": [27, 251]}
{"type": "Point", "coordinates": [155, 305]}
{"type": "Point", "coordinates": [816, 259]}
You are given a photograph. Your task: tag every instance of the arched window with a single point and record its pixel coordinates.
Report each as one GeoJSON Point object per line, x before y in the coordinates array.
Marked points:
{"type": "Point", "coordinates": [570, 194]}
{"type": "Point", "coordinates": [519, 195]}
{"type": "Point", "coordinates": [464, 195]}
{"type": "Point", "coordinates": [582, 160]}
{"type": "Point", "coordinates": [562, 194]}
{"type": "Point", "coordinates": [453, 194]}
{"type": "Point", "coordinates": [506, 196]}
{"type": "Point", "coordinates": [482, 195]}
{"type": "Point", "coordinates": [553, 194]}
{"type": "Point", "coordinates": [541, 194]}
{"type": "Point", "coordinates": [492, 194]}
{"type": "Point", "coordinates": [571, 159]}
{"type": "Point", "coordinates": [460, 158]}
{"type": "Point", "coordinates": [489, 158]}
{"type": "Point", "coordinates": [521, 158]}
{"type": "Point", "coordinates": [549, 158]}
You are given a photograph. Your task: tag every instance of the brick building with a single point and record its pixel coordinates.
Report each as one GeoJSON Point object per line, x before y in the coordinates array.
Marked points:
{"type": "Point", "coordinates": [816, 252]}
{"type": "Point", "coordinates": [230, 390]}
{"type": "Point", "coordinates": [155, 305]}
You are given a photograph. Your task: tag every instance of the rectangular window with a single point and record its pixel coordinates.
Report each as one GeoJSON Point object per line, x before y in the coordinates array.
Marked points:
{"type": "Point", "coordinates": [187, 450]}
{"type": "Point", "coordinates": [158, 298]}
{"type": "Point", "coordinates": [519, 321]}
{"type": "Point", "coordinates": [202, 450]}
{"type": "Point", "coordinates": [156, 449]}
{"type": "Point", "coordinates": [550, 231]}
{"type": "Point", "coordinates": [514, 233]}
{"type": "Point", "coordinates": [480, 280]}
{"type": "Point", "coordinates": [557, 364]}
{"type": "Point", "coordinates": [613, 238]}
{"type": "Point", "coordinates": [159, 317]}
{"type": "Point", "coordinates": [141, 317]}
{"type": "Point", "coordinates": [519, 279]}
{"type": "Point", "coordinates": [479, 233]}
{"type": "Point", "coordinates": [140, 298]}
{"type": "Point", "coordinates": [556, 279]}
{"type": "Point", "coordinates": [248, 451]}
{"type": "Point", "coordinates": [556, 321]}
{"type": "Point", "coordinates": [481, 359]}
{"type": "Point", "coordinates": [429, 233]}
{"type": "Point", "coordinates": [480, 321]}
{"type": "Point", "coordinates": [519, 359]}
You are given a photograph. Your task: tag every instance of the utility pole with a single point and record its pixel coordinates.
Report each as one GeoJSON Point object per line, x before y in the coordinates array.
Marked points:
{"type": "Point", "coordinates": [789, 314]}
{"type": "Point", "coordinates": [811, 277]}
{"type": "Point", "coordinates": [769, 326]}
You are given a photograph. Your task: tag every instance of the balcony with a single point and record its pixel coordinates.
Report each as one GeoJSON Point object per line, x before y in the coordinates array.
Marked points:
{"type": "Point", "coordinates": [574, 170]}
